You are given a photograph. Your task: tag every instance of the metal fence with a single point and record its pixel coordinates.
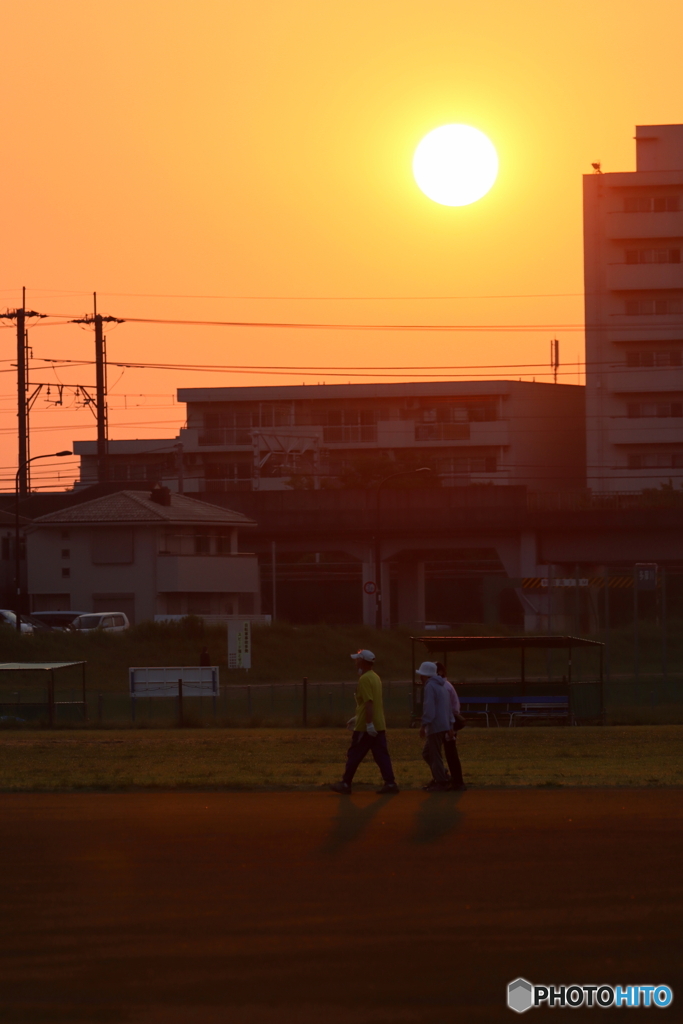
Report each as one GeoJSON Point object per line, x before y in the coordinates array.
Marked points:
{"type": "Point", "coordinates": [649, 699]}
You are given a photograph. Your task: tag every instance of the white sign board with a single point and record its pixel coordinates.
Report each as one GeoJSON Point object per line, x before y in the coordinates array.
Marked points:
{"type": "Point", "coordinates": [239, 643]}
{"type": "Point", "coordinates": [163, 681]}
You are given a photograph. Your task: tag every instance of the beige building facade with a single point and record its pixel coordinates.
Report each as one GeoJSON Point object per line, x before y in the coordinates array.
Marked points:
{"type": "Point", "coordinates": [633, 245]}
{"type": "Point", "coordinates": [147, 555]}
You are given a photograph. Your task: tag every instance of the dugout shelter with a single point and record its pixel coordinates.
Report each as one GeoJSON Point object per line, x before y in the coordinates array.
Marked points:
{"type": "Point", "coordinates": [514, 699]}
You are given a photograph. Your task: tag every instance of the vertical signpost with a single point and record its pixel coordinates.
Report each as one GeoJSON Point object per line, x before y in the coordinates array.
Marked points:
{"type": "Point", "coordinates": [645, 578]}
{"type": "Point", "coordinates": [239, 643]}
{"type": "Point", "coordinates": [662, 606]}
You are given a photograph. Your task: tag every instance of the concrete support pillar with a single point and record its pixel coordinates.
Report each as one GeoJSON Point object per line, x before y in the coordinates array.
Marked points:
{"type": "Point", "coordinates": [369, 600]}
{"type": "Point", "coordinates": [386, 595]}
{"type": "Point", "coordinates": [520, 558]}
{"type": "Point", "coordinates": [411, 593]}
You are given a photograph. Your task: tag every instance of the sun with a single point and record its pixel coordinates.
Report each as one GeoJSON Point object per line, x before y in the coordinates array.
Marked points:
{"type": "Point", "coordinates": [455, 165]}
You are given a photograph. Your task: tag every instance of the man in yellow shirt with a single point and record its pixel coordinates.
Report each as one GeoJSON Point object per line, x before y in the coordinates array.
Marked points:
{"type": "Point", "coordinates": [369, 727]}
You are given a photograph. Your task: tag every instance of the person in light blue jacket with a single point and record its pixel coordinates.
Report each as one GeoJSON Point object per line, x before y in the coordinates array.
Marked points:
{"type": "Point", "coordinates": [437, 723]}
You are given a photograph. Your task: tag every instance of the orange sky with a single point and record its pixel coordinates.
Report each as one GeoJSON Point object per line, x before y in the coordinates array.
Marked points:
{"type": "Point", "coordinates": [160, 149]}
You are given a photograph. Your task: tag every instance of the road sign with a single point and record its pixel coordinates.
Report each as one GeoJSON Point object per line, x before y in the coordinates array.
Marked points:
{"type": "Point", "coordinates": [646, 575]}
{"type": "Point", "coordinates": [370, 587]}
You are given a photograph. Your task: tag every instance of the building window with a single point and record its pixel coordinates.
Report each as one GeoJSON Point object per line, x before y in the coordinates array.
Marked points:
{"type": "Point", "coordinates": [656, 460]}
{"type": "Point", "coordinates": [670, 357]}
{"type": "Point", "coordinates": [202, 544]}
{"type": "Point", "coordinates": [228, 470]}
{"type": "Point", "coordinates": [344, 426]}
{"type": "Point", "coordinates": [149, 472]}
{"type": "Point", "coordinates": [653, 255]}
{"type": "Point", "coordinates": [66, 553]}
{"type": "Point", "coordinates": [66, 574]}
{"type": "Point", "coordinates": [659, 410]}
{"type": "Point", "coordinates": [651, 204]}
{"type": "Point", "coordinates": [650, 307]}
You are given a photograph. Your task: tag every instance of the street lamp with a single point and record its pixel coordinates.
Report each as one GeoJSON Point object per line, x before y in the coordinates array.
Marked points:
{"type": "Point", "coordinates": [17, 552]}
{"type": "Point", "coordinates": [378, 553]}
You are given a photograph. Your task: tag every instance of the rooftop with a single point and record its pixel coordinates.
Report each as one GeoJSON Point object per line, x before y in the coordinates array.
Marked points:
{"type": "Point", "coordinates": [324, 392]}
{"type": "Point", "coordinates": [138, 507]}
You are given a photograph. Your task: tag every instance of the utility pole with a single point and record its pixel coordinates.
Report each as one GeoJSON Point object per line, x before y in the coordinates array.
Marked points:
{"type": "Point", "coordinates": [21, 315]}
{"type": "Point", "coordinates": [22, 417]}
{"type": "Point", "coordinates": [101, 396]}
{"type": "Point", "coordinates": [97, 320]}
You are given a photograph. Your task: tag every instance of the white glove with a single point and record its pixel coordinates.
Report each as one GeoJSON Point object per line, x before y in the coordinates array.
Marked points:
{"type": "Point", "coordinates": [371, 729]}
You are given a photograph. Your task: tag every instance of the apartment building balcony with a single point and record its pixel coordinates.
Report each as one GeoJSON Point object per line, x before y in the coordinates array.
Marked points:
{"type": "Point", "coordinates": [360, 433]}
{"type": "Point", "coordinates": [225, 437]}
{"type": "Point", "coordinates": [231, 574]}
{"type": "Point", "coordinates": [644, 276]}
{"type": "Point", "coordinates": [644, 225]}
{"type": "Point", "coordinates": [645, 431]}
{"type": "Point", "coordinates": [645, 380]}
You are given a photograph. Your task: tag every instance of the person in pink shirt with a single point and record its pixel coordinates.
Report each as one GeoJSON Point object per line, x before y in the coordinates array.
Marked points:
{"type": "Point", "coordinates": [450, 747]}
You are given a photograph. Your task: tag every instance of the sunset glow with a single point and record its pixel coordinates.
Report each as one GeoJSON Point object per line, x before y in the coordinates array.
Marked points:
{"type": "Point", "coordinates": [224, 163]}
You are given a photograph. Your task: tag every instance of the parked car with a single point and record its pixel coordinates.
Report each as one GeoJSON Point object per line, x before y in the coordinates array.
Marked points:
{"type": "Point", "coordinates": [8, 618]}
{"type": "Point", "coordinates": [111, 622]}
{"type": "Point", "coordinates": [55, 620]}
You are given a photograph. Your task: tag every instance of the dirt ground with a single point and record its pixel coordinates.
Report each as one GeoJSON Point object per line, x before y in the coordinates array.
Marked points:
{"type": "Point", "coordinates": [257, 908]}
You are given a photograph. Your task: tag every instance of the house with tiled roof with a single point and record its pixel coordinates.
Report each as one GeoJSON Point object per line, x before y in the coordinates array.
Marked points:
{"type": "Point", "coordinates": [149, 555]}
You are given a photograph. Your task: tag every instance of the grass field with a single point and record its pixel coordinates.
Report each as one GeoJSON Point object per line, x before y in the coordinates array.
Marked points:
{"type": "Point", "coordinates": [287, 653]}
{"type": "Point", "coordinates": [301, 759]}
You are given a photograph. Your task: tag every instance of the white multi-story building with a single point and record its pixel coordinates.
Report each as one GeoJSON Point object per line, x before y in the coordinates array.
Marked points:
{"type": "Point", "coordinates": [633, 239]}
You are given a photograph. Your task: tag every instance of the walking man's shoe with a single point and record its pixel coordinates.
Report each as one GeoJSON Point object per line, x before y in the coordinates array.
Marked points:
{"type": "Point", "coordinates": [389, 787]}
{"type": "Point", "coordinates": [340, 787]}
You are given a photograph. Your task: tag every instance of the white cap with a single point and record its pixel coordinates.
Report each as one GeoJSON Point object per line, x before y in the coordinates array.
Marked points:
{"type": "Point", "coordinates": [427, 668]}
{"type": "Point", "coordinates": [364, 655]}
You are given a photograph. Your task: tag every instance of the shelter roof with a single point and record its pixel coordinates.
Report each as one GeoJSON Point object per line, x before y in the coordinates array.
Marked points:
{"type": "Point", "coordinates": [36, 666]}
{"type": "Point", "coordinates": [492, 643]}
{"type": "Point", "coordinates": [137, 507]}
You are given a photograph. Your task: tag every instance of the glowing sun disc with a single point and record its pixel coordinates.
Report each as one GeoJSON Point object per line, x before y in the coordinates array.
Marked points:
{"type": "Point", "coordinates": [455, 165]}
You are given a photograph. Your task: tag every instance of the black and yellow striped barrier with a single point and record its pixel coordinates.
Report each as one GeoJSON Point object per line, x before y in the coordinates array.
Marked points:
{"type": "Point", "coordinates": [596, 582]}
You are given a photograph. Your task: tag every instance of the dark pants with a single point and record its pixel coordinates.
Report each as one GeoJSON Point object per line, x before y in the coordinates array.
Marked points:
{"type": "Point", "coordinates": [432, 755]}
{"type": "Point", "coordinates": [361, 743]}
{"type": "Point", "coordinates": [450, 749]}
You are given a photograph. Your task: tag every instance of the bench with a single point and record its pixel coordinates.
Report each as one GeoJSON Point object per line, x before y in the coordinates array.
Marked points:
{"type": "Point", "coordinates": [514, 708]}
{"type": "Point", "coordinates": [484, 707]}
{"type": "Point", "coordinates": [541, 707]}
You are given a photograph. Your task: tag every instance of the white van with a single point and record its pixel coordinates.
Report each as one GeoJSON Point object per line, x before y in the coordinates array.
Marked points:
{"type": "Point", "coordinates": [111, 622]}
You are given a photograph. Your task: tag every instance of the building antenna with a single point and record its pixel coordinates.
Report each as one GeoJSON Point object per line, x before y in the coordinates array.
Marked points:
{"type": "Point", "coordinates": [554, 358]}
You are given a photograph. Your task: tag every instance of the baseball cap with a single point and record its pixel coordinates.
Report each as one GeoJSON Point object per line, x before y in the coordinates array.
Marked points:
{"type": "Point", "coordinates": [427, 668]}
{"type": "Point", "coordinates": [364, 655]}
